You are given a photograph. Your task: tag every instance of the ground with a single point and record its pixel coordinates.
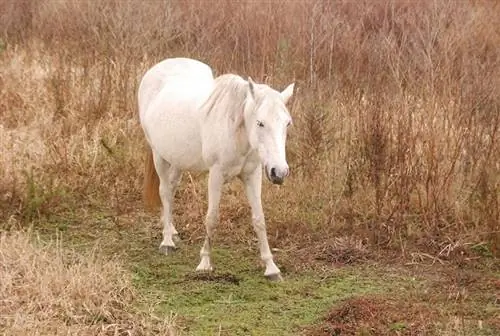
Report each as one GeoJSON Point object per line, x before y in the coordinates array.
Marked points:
{"type": "Point", "coordinates": [328, 289]}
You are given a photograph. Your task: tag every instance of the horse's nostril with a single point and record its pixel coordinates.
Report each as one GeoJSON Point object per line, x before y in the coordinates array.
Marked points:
{"type": "Point", "coordinates": [273, 172]}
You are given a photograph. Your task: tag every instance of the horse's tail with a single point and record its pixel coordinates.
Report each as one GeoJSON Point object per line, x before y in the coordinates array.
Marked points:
{"type": "Point", "coordinates": [151, 192]}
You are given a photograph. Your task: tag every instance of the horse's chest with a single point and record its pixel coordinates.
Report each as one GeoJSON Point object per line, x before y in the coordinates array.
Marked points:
{"type": "Point", "coordinates": [240, 167]}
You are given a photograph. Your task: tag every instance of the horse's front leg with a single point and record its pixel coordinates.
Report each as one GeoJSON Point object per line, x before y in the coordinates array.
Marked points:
{"type": "Point", "coordinates": [215, 182]}
{"type": "Point", "coordinates": [253, 186]}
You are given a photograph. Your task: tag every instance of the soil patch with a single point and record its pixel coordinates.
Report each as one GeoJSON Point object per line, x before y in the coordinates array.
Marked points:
{"type": "Point", "coordinates": [212, 277]}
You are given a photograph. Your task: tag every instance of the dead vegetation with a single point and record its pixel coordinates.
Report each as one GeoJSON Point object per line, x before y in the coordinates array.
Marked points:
{"type": "Point", "coordinates": [396, 115]}
{"type": "Point", "coordinates": [45, 290]}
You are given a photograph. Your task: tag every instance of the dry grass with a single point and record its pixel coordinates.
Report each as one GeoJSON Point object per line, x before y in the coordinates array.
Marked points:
{"type": "Point", "coordinates": [45, 290]}
{"type": "Point", "coordinates": [396, 136]}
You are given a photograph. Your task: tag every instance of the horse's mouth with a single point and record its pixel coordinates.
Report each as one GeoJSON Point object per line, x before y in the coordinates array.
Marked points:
{"type": "Point", "coordinates": [267, 174]}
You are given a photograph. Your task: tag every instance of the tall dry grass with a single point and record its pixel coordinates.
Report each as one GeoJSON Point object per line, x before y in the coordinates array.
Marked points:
{"type": "Point", "coordinates": [47, 291]}
{"type": "Point", "coordinates": [396, 113]}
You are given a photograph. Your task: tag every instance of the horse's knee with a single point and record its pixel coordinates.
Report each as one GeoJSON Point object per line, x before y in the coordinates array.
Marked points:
{"type": "Point", "coordinates": [162, 188]}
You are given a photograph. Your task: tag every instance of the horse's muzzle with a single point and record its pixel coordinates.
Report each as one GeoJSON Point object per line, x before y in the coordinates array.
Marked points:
{"type": "Point", "coordinates": [277, 176]}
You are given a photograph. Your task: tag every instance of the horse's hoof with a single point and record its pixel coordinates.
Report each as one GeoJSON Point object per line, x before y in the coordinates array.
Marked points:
{"type": "Point", "coordinates": [204, 266]}
{"type": "Point", "coordinates": [275, 277]}
{"type": "Point", "coordinates": [164, 249]}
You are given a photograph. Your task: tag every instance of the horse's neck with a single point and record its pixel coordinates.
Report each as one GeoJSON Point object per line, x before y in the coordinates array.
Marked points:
{"type": "Point", "coordinates": [241, 138]}
{"type": "Point", "coordinates": [224, 120]}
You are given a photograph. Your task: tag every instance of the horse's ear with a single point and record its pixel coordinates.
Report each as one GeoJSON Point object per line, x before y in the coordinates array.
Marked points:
{"type": "Point", "coordinates": [251, 87]}
{"type": "Point", "coordinates": [288, 92]}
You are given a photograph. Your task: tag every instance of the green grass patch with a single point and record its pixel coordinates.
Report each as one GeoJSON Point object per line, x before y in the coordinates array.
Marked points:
{"type": "Point", "coordinates": [237, 299]}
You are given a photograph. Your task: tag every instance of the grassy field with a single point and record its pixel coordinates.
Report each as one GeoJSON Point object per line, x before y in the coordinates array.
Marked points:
{"type": "Point", "coordinates": [121, 283]}
{"type": "Point", "coordinates": [388, 224]}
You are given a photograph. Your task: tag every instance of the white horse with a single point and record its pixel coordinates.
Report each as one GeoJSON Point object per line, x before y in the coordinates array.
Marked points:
{"type": "Point", "coordinates": [227, 126]}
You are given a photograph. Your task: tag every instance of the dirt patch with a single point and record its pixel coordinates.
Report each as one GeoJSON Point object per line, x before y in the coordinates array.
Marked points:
{"type": "Point", "coordinates": [212, 277]}
{"type": "Point", "coordinates": [375, 316]}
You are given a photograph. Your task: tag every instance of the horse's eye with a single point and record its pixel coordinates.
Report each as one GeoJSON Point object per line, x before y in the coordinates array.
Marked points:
{"type": "Point", "coordinates": [260, 123]}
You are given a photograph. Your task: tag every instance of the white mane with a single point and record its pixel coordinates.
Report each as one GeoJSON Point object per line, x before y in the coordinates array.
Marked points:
{"type": "Point", "coordinates": [226, 103]}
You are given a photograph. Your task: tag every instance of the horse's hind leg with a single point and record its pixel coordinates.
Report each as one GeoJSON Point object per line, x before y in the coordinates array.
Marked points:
{"type": "Point", "coordinates": [169, 180]}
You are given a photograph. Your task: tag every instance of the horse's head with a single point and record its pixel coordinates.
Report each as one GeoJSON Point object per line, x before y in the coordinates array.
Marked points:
{"type": "Point", "coordinates": [266, 120]}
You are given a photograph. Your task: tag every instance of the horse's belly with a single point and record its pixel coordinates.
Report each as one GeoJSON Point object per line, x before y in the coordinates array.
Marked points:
{"type": "Point", "coordinates": [177, 140]}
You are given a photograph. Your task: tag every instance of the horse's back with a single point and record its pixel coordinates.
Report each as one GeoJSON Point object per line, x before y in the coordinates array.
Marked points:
{"type": "Point", "coordinates": [177, 77]}
{"type": "Point", "coordinates": [170, 96]}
